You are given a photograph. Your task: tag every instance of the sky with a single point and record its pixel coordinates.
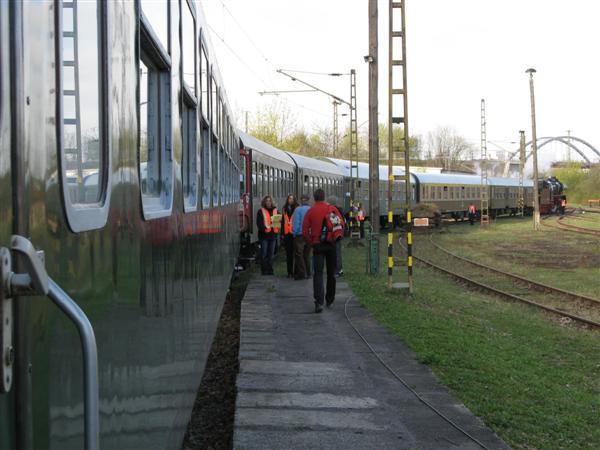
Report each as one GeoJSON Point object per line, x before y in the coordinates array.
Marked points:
{"type": "Point", "coordinates": [458, 52]}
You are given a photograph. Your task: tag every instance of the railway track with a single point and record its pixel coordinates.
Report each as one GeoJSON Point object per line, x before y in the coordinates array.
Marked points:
{"type": "Point", "coordinates": [559, 224]}
{"type": "Point", "coordinates": [514, 287]}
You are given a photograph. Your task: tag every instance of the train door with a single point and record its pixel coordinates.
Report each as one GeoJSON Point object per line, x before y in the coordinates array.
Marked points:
{"type": "Point", "coordinates": [7, 399]}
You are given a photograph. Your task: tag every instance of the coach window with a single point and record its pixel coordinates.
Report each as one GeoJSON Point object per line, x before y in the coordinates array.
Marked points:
{"type": "Point", "coordinates": [204, 83]}
{"type": "Point", "coordinates": [82, 132]}
{"type": "Point", "coordinates": [259, 180]}
{"type": "Point", "coordinates": [222, 176]}
{"type": "Point", "coordinates": [190, 106]}
{"type": "Point", "coordinates": [156, 159]}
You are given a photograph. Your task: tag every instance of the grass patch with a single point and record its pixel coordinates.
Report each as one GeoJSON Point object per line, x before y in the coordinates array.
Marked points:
{"type": "Point", "coordinates": [555, 257]}
{"type": "Point", "coordinates": [532, 381]}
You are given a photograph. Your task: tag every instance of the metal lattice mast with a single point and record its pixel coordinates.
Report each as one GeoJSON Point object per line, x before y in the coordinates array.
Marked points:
{"type": "Point", "coordinates": [399, 150]}
{"type": "Point", "coordinates": [522, 159]}
{"type": "Point", "coordinates": [484, 192]}
{"type": "Point", "coordinates": [335, 127]}
{"type": "Point", "coordinates": [353, 130]}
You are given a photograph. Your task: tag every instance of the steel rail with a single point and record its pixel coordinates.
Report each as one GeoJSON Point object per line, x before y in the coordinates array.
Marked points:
{"type": "Point", "coordinates": [544, 287]}
{"type": "Point", "coordinates": [406, 384]}
{"type": "Point", "coordinates": [584, 230]}
{"type": "Point", "coordinates": [508, 295]}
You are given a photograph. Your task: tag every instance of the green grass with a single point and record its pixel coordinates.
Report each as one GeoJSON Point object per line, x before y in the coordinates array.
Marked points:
{"type": "Point", "coordinates": [589, 220]}
{"type": "Point", "coordinates": [555, 257]}
{"type": "Point", "coordinates": [532, 381]}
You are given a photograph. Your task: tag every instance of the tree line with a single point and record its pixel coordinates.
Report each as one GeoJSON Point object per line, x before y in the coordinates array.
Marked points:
{"type": "Point", "coordinates": [278, 126]}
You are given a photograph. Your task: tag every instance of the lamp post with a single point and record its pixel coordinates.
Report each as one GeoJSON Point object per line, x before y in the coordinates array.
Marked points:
{"type": "Point", "coordinates": [536, 198]}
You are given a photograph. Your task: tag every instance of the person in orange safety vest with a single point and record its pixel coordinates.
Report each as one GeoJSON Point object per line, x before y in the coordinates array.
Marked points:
{"type": "Point", "coordinates": [288, 236]}
{"type": "Point", "coordinates": [360, 217]}
{"type": "Point", "coordinates": [472, 213]}
{"type": "Point", "coordinates": [267, 234]}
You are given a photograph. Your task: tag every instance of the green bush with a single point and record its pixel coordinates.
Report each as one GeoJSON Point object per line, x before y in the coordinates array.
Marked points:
{"type": "Point", "coordinates": [581, 185]}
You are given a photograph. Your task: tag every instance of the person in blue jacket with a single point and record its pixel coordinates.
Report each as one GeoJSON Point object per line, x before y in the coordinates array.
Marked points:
{"type": "Point", "coordinates": [301, 248]}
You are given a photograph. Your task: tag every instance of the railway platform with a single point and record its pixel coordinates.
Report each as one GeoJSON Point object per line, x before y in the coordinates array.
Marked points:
{"type": "Point", "coordinates": [309, 380]}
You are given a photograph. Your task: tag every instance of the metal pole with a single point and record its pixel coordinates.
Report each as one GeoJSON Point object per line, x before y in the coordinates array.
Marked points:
{"type": "Point", "coordinates": [522, 159]}
{"type": "Point", "coordinates": [90, 363]}
{"type": "Point", "coordinates": [407, 183]}
{"type": "Point", "coordinates": [246, 121]}
{"type": "Point", "coordinates": [536, 198]}
{"type": "Point", "coordinates": [335, 127]}
{"type": "Point", "coordinates": [373, 117]}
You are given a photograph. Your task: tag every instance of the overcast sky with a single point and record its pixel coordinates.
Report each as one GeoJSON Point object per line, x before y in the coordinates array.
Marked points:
{"type": "Point", "coordinates": [459, 52]}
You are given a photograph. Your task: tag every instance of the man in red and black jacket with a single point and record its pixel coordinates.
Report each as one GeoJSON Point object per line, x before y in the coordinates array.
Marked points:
{"type": "Point", "coordinates": [324, 253]}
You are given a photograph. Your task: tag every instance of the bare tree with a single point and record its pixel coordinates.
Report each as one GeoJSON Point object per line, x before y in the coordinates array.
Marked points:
{"type": "Point", "coordinates": [445, 147]}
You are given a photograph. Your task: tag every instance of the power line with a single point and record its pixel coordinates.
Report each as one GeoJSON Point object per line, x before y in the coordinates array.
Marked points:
{"type": "Point", "coordinates": [248, 66]}
{"type": "Point", "coordinates": [329, 74]}
{"type": "Point", "coordinates": [245, 32]}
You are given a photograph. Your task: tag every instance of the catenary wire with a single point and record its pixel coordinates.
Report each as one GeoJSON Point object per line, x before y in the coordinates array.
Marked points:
{"type": "Point", "coordinates": [406, 385]}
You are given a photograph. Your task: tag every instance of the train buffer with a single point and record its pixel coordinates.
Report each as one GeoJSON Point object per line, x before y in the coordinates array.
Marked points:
{"type": "Point", "coordinates": [308, 380]}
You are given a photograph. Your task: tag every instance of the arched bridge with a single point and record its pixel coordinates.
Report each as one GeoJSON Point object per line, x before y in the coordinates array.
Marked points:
{"type": "Point", "coordinates": [571, 141]}
{"type": "Point", "coordinates": [577, 144]}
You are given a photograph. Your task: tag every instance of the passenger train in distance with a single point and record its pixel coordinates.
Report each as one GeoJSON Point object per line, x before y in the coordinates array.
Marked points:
{"type": "Point", "coordinates": [278, 173]}
{"type": "Point", "coordinates": [119, 160]}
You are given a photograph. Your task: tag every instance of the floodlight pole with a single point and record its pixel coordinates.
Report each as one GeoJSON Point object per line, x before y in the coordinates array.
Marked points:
{"type": "Point", "coordinates": [536, 198]}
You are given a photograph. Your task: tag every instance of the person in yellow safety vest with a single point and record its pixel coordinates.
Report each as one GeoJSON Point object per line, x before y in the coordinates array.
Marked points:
{"type": "Point", "coordinates": [288, 236]}
{"type": "Point", "coordinates": [267, 234]}
{"type": "Point", "coordinates": [360, 217]}
{"type": "Point", "coordinates": [472, 213]}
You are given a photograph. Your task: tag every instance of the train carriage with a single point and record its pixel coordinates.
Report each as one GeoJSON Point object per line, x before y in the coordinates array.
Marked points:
{"type": "Point", "coordinates": [119, 160]}
{"type": "Point", "coordinates": [314, 173]}
{"type": "Point", "coordinates": [270, 172]}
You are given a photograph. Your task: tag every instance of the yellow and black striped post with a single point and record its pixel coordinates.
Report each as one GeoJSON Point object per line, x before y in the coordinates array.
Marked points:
{"type": "Point", "coordinates": [402, 151]}
{"type": "Point", "coordinates": [409, 259]}
{"type": "Point", "coordinates": [390, 251]}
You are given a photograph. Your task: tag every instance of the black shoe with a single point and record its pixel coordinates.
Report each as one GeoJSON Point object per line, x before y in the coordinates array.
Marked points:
{"type": "Point", "coordinates": [318, 308]}
{"type": "Point", "coordinates": [328, 304]}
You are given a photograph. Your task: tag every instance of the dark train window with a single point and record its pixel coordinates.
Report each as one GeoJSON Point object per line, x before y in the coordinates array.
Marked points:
{"type": "Point", "coordinates": [215, 172]}
{"type": "Point", "coordinates": [222, 177]}
{"type": "Point", "coordinates": [156, 159]}
{"type": "Point", "coordinates": [214, 107]}
{"type": "Point", "coordinates": [205, 166]}
{"type": "Point", "coordinates": [259, 180]}
{"type": "Point", "coordinates": [190, 155]}
{"type": "Point", "coordinates": [82, 130]}
{"type": "Point", "coordinates": [188, 44]}
{"type": "Point", "coordinates": [254, 179]}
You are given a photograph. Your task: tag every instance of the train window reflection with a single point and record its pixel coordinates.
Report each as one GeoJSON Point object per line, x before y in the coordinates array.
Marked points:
{"type": "Point", "coordinates": [155, 153]}
{"type": "Point", "coordinates": [157, 14]}
{"type": "Point", "coordinates": [190, 156]}
{"type": "Point", "coordinates": [82, 143]}
{"type": "Point", "coordinates": [189, 47]}
{"type": "Point", "coordinates": [204, 82]}
{"type": "Point", "coordinates": [205, 168]}
{"type": "Point", "coordinates": [215, 172]}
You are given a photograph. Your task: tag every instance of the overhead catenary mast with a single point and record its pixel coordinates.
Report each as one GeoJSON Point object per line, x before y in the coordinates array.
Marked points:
{"type": "Point", "coordinates": [484, 206]}
{"type": "Point", "coordinates": [399, 150]}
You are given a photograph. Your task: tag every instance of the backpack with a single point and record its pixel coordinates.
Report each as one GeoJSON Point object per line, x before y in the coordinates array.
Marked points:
{"type": "Point", "coordinates": [333, 226]}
